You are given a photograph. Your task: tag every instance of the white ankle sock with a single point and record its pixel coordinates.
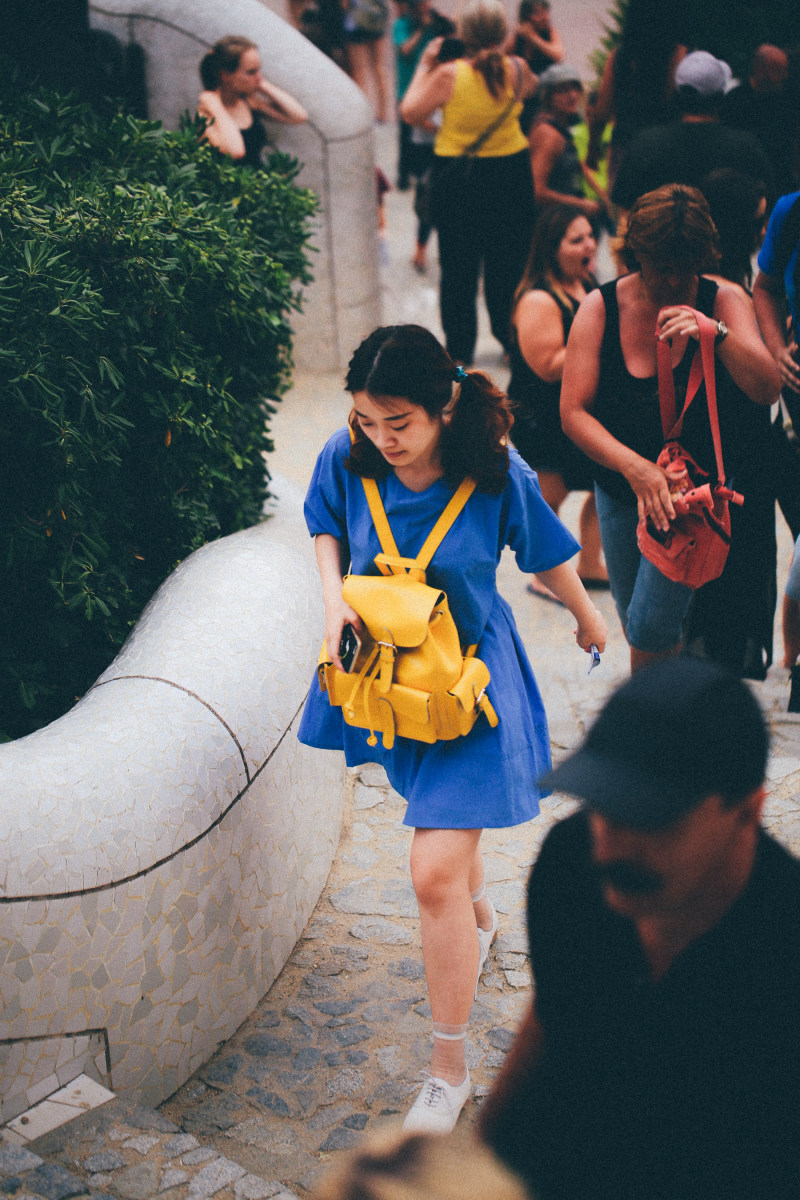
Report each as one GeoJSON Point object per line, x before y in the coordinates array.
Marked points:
{"type": "Point", "coordinates": [449, 1060]}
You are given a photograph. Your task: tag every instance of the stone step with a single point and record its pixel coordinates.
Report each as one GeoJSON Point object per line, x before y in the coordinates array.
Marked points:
{"type": "Point", "coordinates": [125, 1151]}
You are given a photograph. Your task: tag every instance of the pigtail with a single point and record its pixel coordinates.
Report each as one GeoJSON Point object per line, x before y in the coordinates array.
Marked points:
{"type": "Point", "coordinates": [492, 66]}
{"type": "Point", "coordinates": [474, 439]}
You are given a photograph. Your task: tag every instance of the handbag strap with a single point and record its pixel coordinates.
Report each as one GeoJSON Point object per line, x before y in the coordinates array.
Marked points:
{"type": "Point", "coordinates": [436, 535]}
{"type": "Point", "coordinates": [702, 368]}
{"type": "Point", "coordinates": [473, 148]}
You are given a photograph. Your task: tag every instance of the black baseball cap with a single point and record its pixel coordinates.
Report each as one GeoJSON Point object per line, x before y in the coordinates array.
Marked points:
{"type": "Point", "coordinates": [672, 735]}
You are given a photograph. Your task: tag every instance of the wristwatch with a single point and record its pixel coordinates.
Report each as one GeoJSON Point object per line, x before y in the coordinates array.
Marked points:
{"type": "Point", "coordinates": [722, 333]}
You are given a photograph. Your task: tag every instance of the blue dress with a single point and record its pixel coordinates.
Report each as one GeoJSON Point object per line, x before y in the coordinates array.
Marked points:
{"type": "Point", "coordinates": [488, 778]}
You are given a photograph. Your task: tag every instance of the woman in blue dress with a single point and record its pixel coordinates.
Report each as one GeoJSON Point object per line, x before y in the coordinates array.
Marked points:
{"type": "Point", "coordinates": [419, 425]}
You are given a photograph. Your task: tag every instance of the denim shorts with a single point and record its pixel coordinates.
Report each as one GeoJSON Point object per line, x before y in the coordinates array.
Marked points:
{"type": "Point", "coordinates": [793, 582]}
{"type": "Point", "coordinates": [651, 607]}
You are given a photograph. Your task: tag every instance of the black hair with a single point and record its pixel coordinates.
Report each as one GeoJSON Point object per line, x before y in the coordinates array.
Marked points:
{"type": "Point", "coordinates": [693, 103]}
{"type": "Point", "coordinates": [733, 199]}
{"type": "Point", "coordinates": [407, 361]}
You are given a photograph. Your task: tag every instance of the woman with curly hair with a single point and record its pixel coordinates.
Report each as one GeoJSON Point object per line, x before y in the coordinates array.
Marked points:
{"type": "Point", "coordinates": [419, 425]}
{"type": "Point", "coordinates": [609, 396]}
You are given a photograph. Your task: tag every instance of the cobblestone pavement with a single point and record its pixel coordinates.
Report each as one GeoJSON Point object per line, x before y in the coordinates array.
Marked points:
{"type": "Point", "coordinates": [335, 1047]}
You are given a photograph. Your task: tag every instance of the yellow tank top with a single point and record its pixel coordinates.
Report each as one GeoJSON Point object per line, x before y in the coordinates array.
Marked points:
{"type": "Point", "coordinates": [471, 109]}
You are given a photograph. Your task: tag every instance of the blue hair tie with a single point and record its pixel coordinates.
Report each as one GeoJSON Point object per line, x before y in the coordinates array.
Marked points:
{"type": "Point", "coordinates": [461, 374]}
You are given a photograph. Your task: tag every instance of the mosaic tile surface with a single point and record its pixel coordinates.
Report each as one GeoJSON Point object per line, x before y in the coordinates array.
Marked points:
{"type": "Point", "coordinates": [162, 846]}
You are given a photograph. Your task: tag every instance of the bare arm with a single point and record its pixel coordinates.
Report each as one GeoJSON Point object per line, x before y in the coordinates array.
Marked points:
{"type": "Point", "coordinates": [546, 144]}
{"type": "Point", "coordinates": [552, 49]}
{"type": "Point", "coordinates": [330, 561]}
{"type": "Point", "coordinates": [769, 301]}
{"type": "Point", "coordinates": [565, 583]}
{"type": "Point", "coordinates": [274, 102]}
{"type": "Point", "coordinates": [222, 131]}
{"type": "Point", "coordinates": [744, 355]}
{"type": "Point", "coordinates": [540, 334]}
{"type": "Point", "coordinates": [578, 389]}
{"type": "Point", "coordinates": [431, 86]}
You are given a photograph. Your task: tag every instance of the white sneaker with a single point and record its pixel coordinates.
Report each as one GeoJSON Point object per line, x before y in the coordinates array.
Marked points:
{"type": "Point", "coordinates": [485, 939]}
{"type": "Point", "coordinates": [437, 1107]}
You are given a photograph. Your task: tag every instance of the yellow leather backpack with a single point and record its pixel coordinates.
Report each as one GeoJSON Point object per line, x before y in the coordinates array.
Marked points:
{"type": "Point", "coordinates": [411, 677]}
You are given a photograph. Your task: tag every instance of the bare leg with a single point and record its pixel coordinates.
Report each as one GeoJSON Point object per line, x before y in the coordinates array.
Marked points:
{"type": "Point", "coordinates": [380, 74]}
{"type": "Point", "coordinates": [791, 631]}
{"type": "Point", "coordinates": [358, 57]}
{"type": "Point", "coordinates": [480, 905]}
{"type": "Point", "coordinates": [590, 559]}
{"type": "Point", "coordinates": [643, 658]}
{"type": "Point", "coordinates": [443, 861]}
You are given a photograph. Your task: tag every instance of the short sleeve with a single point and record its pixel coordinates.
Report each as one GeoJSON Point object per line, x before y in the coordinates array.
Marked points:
{"type": "Point", "coordinates": [530, 527]}
{"type": "Point", "coordinates": [402, 31]}
{"type": "Point", "coordinates": [766, 255]}
{"type": "Point", "coordinates": [325, 507]}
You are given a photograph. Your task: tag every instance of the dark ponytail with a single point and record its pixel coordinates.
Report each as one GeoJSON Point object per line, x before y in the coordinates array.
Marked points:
{"type": "Point", "coordinates": [407, 361]}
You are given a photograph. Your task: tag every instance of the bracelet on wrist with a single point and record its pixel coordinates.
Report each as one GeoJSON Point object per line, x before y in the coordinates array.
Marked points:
{"type": "Point", "coordinates": [721, 334]}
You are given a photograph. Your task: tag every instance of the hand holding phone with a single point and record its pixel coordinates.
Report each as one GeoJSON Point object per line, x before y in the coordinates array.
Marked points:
{"type": "Point", "coordinates": [349, 647]}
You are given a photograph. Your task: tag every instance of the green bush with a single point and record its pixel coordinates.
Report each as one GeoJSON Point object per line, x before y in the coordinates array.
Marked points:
{"type": "Point", "coordinates": [146, 289]}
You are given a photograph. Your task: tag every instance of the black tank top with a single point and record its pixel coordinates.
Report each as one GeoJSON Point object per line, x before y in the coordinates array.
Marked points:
{"type": "Point", "coordinates": [628, 407]}
{"type": "Point", "coordinates": [530, 392]}
{"type": "Point", "coordinates": [255, 139]}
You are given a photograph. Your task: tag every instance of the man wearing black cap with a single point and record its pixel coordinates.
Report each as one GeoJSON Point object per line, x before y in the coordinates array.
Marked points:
{"type": "Point", "coordinates": [661, 1058]}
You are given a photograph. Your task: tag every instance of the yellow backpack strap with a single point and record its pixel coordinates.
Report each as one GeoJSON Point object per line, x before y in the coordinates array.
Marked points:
{"type": "Point", "coordinates": [443, 525]}
{"type": "Point", "coordinates": [379, 518]}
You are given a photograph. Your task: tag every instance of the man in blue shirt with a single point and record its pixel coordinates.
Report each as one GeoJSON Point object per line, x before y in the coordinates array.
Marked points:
{"type": "Point", "coordinates": [775, 289]}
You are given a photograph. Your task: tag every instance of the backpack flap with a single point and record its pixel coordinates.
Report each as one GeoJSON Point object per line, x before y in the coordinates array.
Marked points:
{"type": "Point", "coordinates": [396, 610]}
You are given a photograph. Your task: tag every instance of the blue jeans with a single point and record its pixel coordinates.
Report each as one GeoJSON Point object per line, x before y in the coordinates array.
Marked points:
{"type": "Point", "coordinates": [651, 607]}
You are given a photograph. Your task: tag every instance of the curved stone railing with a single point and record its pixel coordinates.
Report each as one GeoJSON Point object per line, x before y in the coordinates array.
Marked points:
{"type": "Point", "coordinates": [335, 147]}
{"type": "Point", "coordinates": [163, 844]}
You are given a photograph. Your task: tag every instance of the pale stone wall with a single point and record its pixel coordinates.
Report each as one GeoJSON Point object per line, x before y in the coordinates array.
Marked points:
{"type": "Point", "coordinates": [335, 147]}
{"type": "Point", "coordinates": [163, 845]}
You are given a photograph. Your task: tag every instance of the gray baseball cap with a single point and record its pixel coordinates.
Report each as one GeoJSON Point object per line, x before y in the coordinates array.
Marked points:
{"type": "Point", "coordinates": [707, 75]}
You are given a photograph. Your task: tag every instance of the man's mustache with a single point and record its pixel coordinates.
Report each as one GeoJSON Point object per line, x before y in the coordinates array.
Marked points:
{"type": "Point", "coordinates": [625, 876]}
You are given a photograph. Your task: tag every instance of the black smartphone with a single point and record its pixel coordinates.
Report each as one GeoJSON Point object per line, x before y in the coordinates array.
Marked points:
{"type": "Point", "coordinates": [349, 647]}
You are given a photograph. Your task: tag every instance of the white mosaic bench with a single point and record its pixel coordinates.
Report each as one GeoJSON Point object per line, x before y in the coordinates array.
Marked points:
{"type": "Point", "coordinates": [163, 844]}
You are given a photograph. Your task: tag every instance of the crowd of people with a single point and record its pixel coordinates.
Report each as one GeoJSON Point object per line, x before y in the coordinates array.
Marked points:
{"type": "Point", "coordinates": [660, 1056]}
